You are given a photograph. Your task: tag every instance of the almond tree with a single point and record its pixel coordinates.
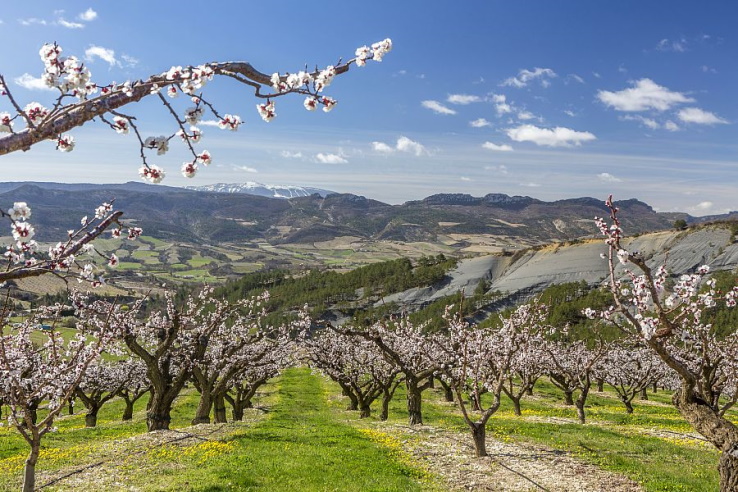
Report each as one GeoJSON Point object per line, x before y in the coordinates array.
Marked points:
{"type": "Point", "coordinates": [670, 324]}
{"type": "Point", "coordinates": [49, 373]}
{"type": "Point", "coordinates": [526, 367]}
{"type": "Point", "coordinates": [406, 346]}
{"type": "Point", "coordinates": [570, 367]}
{"type": "Point", "coordinates": [246, 384]}
{"type": "Point", "coordinates": [476, 360]}
{"type": "Point", "coordinates": [101, 382]}
{"type": "Point", "coordinates": [136, 384]}
{"type": "Point", "coordinates": [630, 370]}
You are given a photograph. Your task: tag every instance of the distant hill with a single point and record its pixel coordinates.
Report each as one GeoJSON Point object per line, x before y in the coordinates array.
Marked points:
{"type": "Point", "coordinates": [193, 216]}
{"type": "Point", "coordinates": [272, 191]}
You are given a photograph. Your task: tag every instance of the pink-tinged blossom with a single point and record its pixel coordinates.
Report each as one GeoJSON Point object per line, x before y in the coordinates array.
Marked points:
{"type": "Point", "coordinates": [189, 169]}
{"type": "Point", "coordinates": [23, 231]}
{"type": "Point", "coordinates": [174, 73]}
{"type": "Point", "coordinates": [65, 143]}
{"type": "Point", "coordinates": [310, 103]}
{"type": "Point", "coordinates": [113, 261]}
{"type": "Point", "coordinates": [328, 103]}
{"type": "Point", "coordinates": [154, 174]}
{"type": "Point", "coordinates": [134, 232]}
{"type": "Point", "coordinates": [623, 256]}
{"type": "Point", "coordinates": [121, 125]}
{"type": "Point", "coordinates": [361, 55]}
{"type": "Point", "coordinates": [204, 158]}
{"type": "Point", "coordinates": [20, 211]}
{"type": "Point", "coordinates": [381, 48]}
{"type": "Point", "coordinates": [160, 143]}
{"type": "Point", "coordinates": [6, 124]}
{"type": "Point", "coordinates": [324, 78]}
{"type": "Point", "coordinates": [171, 91]}
{"type": "Point", "coordinates": [230, 122]}
{"type": "Point", "coordinates": [35, 112]}
{"type": "Point", "coordinates": [266, 111]}
{"type": "Point", "coordinates": [193, 115]}
{"type": "Point", "coordinates": [102, 211]}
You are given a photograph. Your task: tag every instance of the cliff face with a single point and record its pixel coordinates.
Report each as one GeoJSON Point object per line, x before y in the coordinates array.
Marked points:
{"type": "Point", "coordinates": [533, 270]}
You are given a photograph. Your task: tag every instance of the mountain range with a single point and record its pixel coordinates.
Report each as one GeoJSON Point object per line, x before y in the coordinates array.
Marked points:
{"type": "Point", "coordinates": [209, 216]}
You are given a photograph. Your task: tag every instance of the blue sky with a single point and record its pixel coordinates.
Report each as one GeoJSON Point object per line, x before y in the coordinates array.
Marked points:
{"type": "Point", "coordinates": [548, 99]}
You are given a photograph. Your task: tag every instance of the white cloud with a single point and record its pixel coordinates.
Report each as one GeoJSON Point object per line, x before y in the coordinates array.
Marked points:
{"type": "Point", "coordinates": [246, 169]}
{"type": "Point", "coordinates": [526, 115]}
{"type": "Point", "coordinates": [69, 25]}
{"type": "Point", "coordinates": [28, 81]}
{"type": "Point", "coordinates": [644, 95]}
{"type": "Point", "coordinates": [650, 123]}
{"type": "Point", "coordinates": [464, 178]}
{"type": "Point", "coordinates": [382, 148]}
{"type": "Point", "coordinates": [463, 99]}
{"type": "Point", "coordinates": [700, 117]}
{"type": "Point", "coordinates": [569, 112]}
{"type": "Point", "coordinates": [207, 123]}
{"type": "Point", "coordinates": [549, 137]}
{"type": "Point", "coordinates": [501, 105]}
{"type": "Point", "coordinates": [525, 76]}
{"type": "Point", "coordinates": [502, 169]}
{"type": "Point", "coordinates": [671, 126]}
{"type": "Point", "coordinates": [330, 158]}
{"type": "Point", "coordinates": [575, 78]}
{"type": "Point", "coordinates": [679, 45]}
{"type": "Point", "coordinates": [437, 107]}
{"type": "Point", "coordinates": [404, 144]}
{"type": "Point", "coordinates": [608, 178]}
{"type": "Point", "coordinates": [479, 123]}
{"type": "Point", "coordinates": [88, 15]}
{"type": "Point", "coordinates": [130, 61]}
{"type": "Point", "coordinates": [705, 206]}
{"type": "Point", "coordinates": [530, 185]}
{"type": "Point", "coordinates": [707, 69]}
{"type": "Point", "coordinates": [32, 20]}
{"type": "Point", "coordinates": [498, 148]}
{"type": "Point", "coordinates": [291, 155]}
{"type": "Point", "coordinates": [104, 54]}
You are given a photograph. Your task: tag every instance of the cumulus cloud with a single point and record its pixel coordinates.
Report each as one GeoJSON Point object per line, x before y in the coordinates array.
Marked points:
{"type": "Point", "coordinates": [549, 137]}
{"type": "Point", "coordinates": [525, 76]}
{"type": "Point", "coordinates": [501, 105]}
{"type": "Point", "coordinates": [648, 122]}
{"type": "Point", "coordinates": [330, 158]}
{"type": "Point", "coordinates": [88, 15]}
{"type": "Point", "coordinates": [104, 54]}
{"type": "Point", "coordinates": [498, 148]}
{"type": "Point", "coordinates": [69, 25]}
{"type": "Point", "coordinates": [382, 148]}
{"type": "Point", "coordinates": [608, 178]}
{"type": "Point", "coordinates": [644, 95]}
{"type": "Point", "coordinates": [291, 155]}
{"type": "Point", "coordinates": [702, 207]}
{"type": "Point", "coordinates": [31, 21]}
{"type": "Point", "coordinates": [671, 126]}
{"type": "Point", "coordinates": [28, 81]}
{"type": "Point", "coordinates": [437, 107]}
{"type": "Point", "coordinates": [700, 117]}
{"type": "Point", "coordinates": [403, 144]}
{"type": "Point", "coordinates": [463, 99]}
{"type": "Point", "coordinates": [526, 115]}
{"type": "Point", "coordinates": [479, 123]}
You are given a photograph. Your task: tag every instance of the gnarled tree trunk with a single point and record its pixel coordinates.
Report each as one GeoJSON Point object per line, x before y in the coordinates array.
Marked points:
{"type": "Point", "coordinates": [414, 402]}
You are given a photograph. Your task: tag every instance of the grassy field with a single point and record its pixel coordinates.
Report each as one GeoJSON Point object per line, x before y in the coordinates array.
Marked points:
{"type": "Point", "coordinates": [303, 439]}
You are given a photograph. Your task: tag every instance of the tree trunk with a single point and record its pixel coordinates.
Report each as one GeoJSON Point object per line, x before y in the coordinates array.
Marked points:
{"type": "Point", "coordinates": [202, 414]}
{"type": "Point", "coordinates": [479, 433]}
{"type": "Point", "coordinates": [628, 405]}
{"type": "Point", "coordinates": [644, 395]}
{"type": "Point", "coordinates": [516, 405]}
{"type": "Point", "coordinates": [386, 399]}
{"type": "Point", "coordinates": [654, 387]}
{"type": "Point", "coordinates": [365, 411]}
{"type": "Point", "coordinates": [237, 412]}
{"type": "Point", "coordinates": [29, 472]}
{"type": "Point", "coordinates": [128, 411]}
{"type": "Point", "coordinates": [353, 401]}
{"type": "Point", "coordinates": [70, 406]}
{"type": "Point", "coordinates": [580, 412]}
{"type": "Point", "coordinates": [600, 385]}
{"type": "Point", "coordinates": [569, 397]}
{"type": "Point", "coordinates": [728, 468]}
{"type": "Point", "coordinates": [158, 415]}
{"type": "Point", "coordinates": [529, 391]}
{"type": "Point", "coordinates": [414, 403]}
{"type": "Point", "coordinates": [448, 393]}
{"type": "Point", "coordinates": [91, 416]}
{"type": "Point", "coordinates": [220, 410]}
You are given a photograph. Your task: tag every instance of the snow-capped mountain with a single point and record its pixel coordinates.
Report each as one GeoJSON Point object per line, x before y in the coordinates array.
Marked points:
{"type": "Point", "coordinates": [272, 191]}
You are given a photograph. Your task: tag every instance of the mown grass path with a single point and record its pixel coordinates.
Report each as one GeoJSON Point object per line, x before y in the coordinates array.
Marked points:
{"type": "Point", "coordinates": [304, 446]}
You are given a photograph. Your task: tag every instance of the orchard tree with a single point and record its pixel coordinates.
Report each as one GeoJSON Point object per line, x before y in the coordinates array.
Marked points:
{"type": "Point", "coordinates": [101, 382]}
{"type": "Point", "coordinates": [476, 360]}
{"type": "Point", "coordinates": [49, 372]}
{"type": "Point", "coordinates": [406, 346]}
{"type": "Point", "coordinates": [135, 385]}
{"type": "Point", "coordinates": [630, 370]}
{"type": "Point", "coordinates": [670, 322]}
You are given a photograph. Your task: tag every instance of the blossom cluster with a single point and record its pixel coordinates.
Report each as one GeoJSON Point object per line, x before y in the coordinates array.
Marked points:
{"type": "Point", "coordinates": [69, 74]}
